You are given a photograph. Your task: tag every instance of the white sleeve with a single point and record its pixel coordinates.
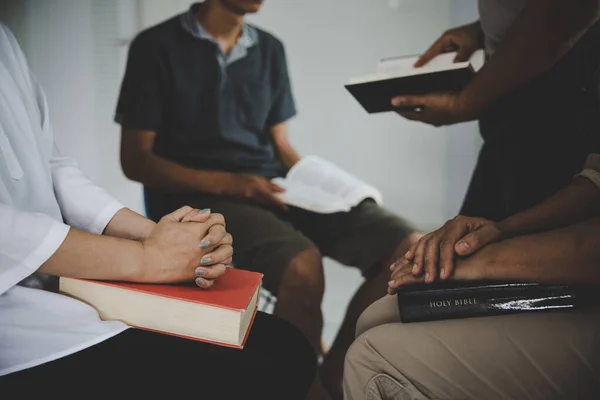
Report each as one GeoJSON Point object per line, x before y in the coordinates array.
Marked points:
{"type": "Point", "coordinates": [27, 240]}
{"type": "Point", "coordinates": [83, 205]}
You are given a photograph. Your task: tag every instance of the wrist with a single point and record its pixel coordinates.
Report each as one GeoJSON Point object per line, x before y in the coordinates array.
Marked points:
{"type": "Point", "coordinates": [222, 184]}
{"type": "Point", "coordinates": [135, 268]}
{"type": "Point", "coordinates": [508, 228]}
{"type": "Point", "coordinates": [470, 108]}
{"type": "Point", "coordinates": [476, 266]}
{"type": "Point", "coordinates": [127, 224]}
{"type": "Point", "coordinates": [146, 228]}
{"type": "Point", "coordinates": [292, 160]}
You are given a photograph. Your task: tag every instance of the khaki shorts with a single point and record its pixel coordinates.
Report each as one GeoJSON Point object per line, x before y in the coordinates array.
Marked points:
{"type": "Point", "coordinates": [266, 240]}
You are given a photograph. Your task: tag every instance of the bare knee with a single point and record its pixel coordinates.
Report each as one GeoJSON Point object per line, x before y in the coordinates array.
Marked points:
{"type": "Point", "coordinates": [304, 277]}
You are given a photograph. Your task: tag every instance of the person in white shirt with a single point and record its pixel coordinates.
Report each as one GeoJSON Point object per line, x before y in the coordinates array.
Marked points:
{"type": "Point", "coordinates": [55, 221]}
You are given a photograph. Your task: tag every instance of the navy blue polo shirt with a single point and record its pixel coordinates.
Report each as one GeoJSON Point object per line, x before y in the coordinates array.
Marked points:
{"type": "Point", "coordinates": [209, 110]}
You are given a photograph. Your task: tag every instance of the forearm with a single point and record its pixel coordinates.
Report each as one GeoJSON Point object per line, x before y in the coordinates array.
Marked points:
{"type": "Point", "coordinates": [568, 255]}
{"type": "Point", "coordinates": [89, 256]}
{"type": "Point", "coordinates": [576, 202]}
{"type": "Point", "coordinates": [539, 37]}
{"type": "Point", "coordinates": [158, 172]}
{"type": "Point", "coordinates": [287, 155]}
{"type": "Point", "coordinates": [127, 224]}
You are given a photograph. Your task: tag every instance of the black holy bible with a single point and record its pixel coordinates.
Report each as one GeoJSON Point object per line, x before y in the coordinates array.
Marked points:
{"type": "Point", "coordinates": [397, 76]}
{"type": "Point", "coordinates": [375, 95]}
{"type": "Point", "coordinates": [452, 299]}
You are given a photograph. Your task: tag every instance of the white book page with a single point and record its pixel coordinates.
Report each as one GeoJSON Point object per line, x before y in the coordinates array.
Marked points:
{"type": "Point", "coordinates": [320, 186]}
{"type": "Point", "coordinates": [397, 67]}
{"type": "Point", "coordinates": [397, 64]}
{"type": "Point", "coordinates": [310, 198]}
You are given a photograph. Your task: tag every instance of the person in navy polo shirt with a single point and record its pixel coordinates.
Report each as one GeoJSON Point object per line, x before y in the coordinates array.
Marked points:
{"type": "Point", "coordinates": [203, 109]}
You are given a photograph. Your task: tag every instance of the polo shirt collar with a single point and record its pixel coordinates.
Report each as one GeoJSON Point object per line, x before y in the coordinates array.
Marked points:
{"type": "Point", "coordinates": [248, 38]}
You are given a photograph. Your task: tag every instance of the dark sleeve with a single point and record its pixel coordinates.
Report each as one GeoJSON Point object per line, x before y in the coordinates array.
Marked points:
{"type": "Point", "coordinates": [283, 107]}
{"type": "Point", "coordinates": [140, 104]}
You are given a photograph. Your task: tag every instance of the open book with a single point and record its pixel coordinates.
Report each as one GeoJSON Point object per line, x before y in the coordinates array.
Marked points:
{"type": "Point", "coordinates": [398, 76]}
{"type": "Point", "coordinates": [320, 186]}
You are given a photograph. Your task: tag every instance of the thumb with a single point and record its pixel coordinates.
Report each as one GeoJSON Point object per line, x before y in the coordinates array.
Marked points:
{"type": "Point", "coordinates": [178, 215]}
{"type": "Point", "coordinates": [474, 241]}
{"type": "Point", "coordinates": [276, 188]}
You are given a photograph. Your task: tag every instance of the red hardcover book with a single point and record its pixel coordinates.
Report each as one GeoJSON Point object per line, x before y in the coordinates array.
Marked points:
{"type": "Point", "coordinates": [221, 315]}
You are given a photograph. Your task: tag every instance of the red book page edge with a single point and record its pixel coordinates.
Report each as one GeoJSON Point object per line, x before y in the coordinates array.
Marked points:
{"type": "Point", "coordinates": [233, 346]}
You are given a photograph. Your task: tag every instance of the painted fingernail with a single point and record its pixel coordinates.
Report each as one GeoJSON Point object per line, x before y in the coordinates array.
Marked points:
{"type": "Point", "coordinates": [200, 271]}
{"type": "Point", "coordinates": [205, 244]}
{"type": "Point", "coordinates": [415, 268]}
{"type": "Point", "coordinates": [463, 246]}
{"type": "Point", "coordinates": [205, 260]}
{"type": "Point", "coordinates": [205, 211]}
{"type": "Point", "coordinates": [200, 281]}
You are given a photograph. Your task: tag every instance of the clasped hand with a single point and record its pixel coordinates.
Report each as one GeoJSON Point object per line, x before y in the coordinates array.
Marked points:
{"type": "Point", "coordinates": [187, 245]}
{"type": "Point", "coordinates": [434, 256]}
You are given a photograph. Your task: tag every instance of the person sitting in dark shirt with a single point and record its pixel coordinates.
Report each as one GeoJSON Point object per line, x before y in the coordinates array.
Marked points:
{"type": "Point", "coordinates": [203, 109]}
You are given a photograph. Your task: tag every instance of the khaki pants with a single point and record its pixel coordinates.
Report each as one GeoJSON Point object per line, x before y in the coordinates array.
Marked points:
{"type": "Point", "coordinates": [553, 355]}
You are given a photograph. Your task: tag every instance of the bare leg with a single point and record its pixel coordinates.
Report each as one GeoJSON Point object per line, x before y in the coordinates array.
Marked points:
{"type": "Point", "coordinates": [332, 369]}
{"type": "Point", "coordinates": [299, 302]}
{"type": "Point", "coordinates": [300, 295]}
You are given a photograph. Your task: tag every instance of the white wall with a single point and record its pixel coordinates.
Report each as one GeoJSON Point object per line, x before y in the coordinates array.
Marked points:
{"type": "Point", "coordinates": [63, 63]}
{"type": "Point", "coordinates": [74, 48]}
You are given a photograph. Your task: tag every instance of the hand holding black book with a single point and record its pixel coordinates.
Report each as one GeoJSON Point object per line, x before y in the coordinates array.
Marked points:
{"type": "Point", "coordinates": [397, 76]}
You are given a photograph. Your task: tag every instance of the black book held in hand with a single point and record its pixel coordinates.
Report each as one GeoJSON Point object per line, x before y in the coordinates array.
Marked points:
{"type": "Point", "coordinates": [453, 299]}
{"type": "Point", "coordinates": [397, 76]}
